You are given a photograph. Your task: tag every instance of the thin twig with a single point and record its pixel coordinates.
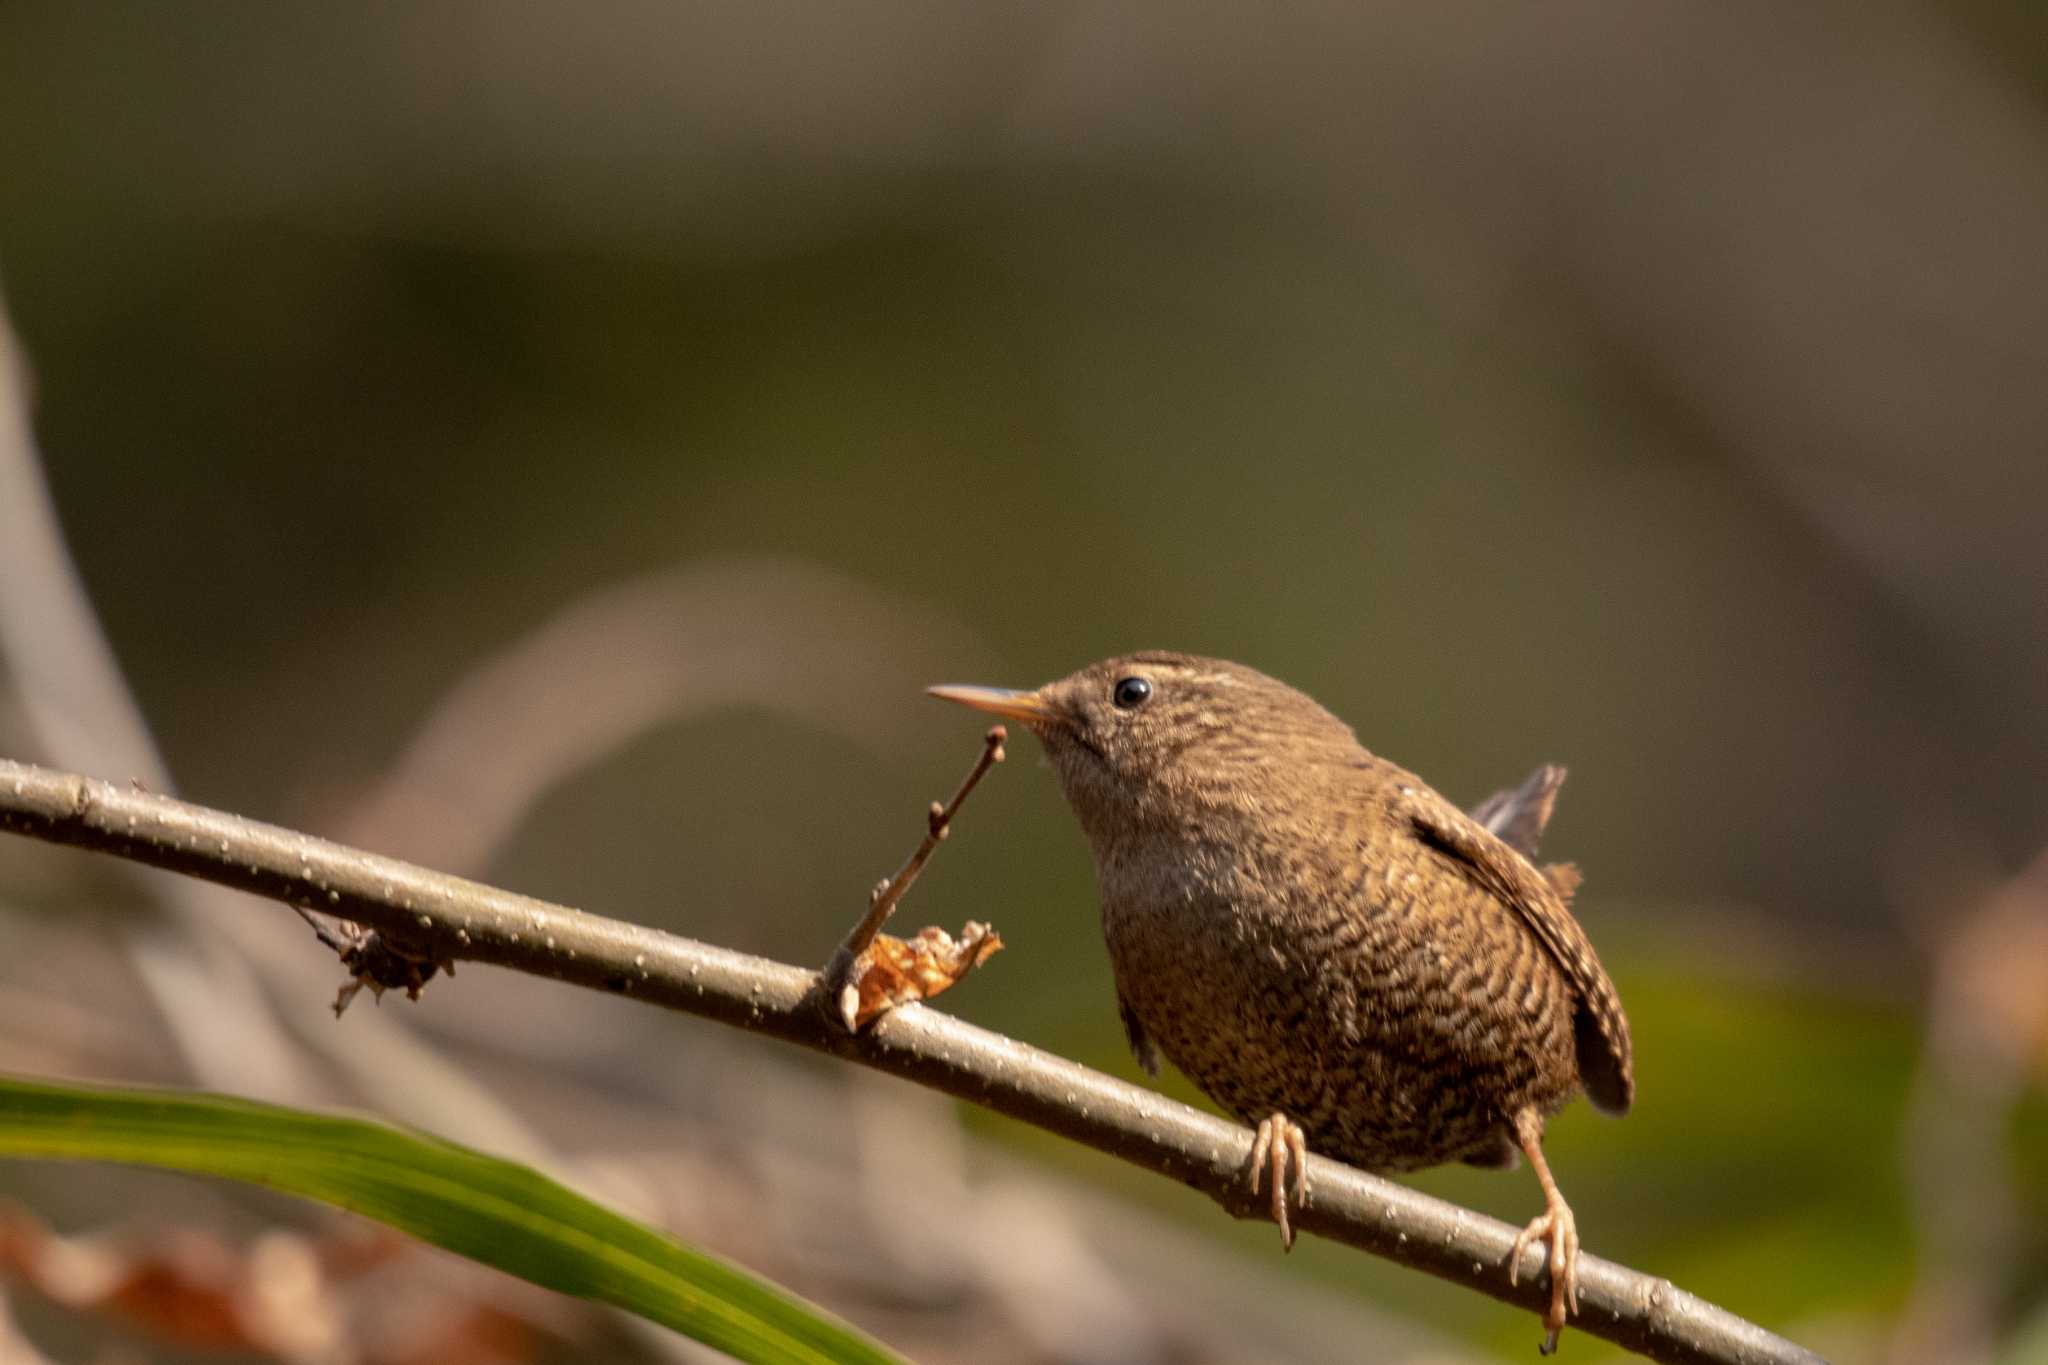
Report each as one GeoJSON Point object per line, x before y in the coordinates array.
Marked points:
{"type": "Point", "coordinates": [836, 985]}
{"type": "Point", "coordinates": [454, 918]}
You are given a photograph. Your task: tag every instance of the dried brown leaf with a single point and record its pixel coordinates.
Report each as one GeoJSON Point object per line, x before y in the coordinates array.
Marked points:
{"type": "Point", "coordinates": [894, 971]}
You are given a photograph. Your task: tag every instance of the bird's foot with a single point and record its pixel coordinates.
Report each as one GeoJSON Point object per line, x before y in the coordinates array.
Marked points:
{"type": "Point", "coordinates": [1556, 1226]}
{"type": "Point", "coordinates": [1280, 1143]}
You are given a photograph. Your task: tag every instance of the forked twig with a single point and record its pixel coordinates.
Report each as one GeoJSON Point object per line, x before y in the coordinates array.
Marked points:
{"type": "Point", "coordinates": [837, 989]}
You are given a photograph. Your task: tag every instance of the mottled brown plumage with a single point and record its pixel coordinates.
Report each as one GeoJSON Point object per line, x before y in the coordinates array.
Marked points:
{"type": "Point", "coordinates": [1327, 947]}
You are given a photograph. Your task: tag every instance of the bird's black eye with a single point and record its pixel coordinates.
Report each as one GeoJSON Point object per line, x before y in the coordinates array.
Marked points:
{"type": "Point", "coordinates": [1131, 693]}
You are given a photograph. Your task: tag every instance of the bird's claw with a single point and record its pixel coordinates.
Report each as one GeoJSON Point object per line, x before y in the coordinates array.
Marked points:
{"type": "Point", "coordinates": [1560, 1231]}
{"type": "Point", "coordinates": [1279, 1143]}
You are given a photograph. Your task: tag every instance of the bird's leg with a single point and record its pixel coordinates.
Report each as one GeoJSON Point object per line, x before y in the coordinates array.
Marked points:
{"type": "Point", "coordinates": [1554, 1225]}
{"type": "Point", "coordinates": [1279, 1142]}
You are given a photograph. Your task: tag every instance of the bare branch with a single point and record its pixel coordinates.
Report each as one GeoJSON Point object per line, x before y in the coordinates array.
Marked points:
{"type": "Point", "coordinates": [447, 918]}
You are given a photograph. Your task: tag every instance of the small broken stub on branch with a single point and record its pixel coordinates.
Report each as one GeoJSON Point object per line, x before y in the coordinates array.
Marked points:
{"type": "Point", "coordinates": [894, 971]}
{"type": "Point", "coordinates": [375, 961]}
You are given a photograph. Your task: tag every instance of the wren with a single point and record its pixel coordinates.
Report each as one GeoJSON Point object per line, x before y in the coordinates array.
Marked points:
{"type": "Point", "coordinates": [1328, 948]}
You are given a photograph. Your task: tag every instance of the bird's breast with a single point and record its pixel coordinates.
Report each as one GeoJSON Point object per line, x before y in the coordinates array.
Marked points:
{"type": "Point", "coordinates": [1336, 980]}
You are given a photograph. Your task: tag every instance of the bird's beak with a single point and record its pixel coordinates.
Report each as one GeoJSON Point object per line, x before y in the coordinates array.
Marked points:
{"type": "Point", "coordinates": [1028, 707]}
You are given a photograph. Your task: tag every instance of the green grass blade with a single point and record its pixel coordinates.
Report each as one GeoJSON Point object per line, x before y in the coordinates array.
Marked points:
{"type": "Point", "coordinates": [493, 1211]}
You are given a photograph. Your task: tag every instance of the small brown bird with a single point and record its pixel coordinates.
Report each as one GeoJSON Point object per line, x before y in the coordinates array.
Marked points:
{"type": "Point", "coordinates": [1329, 949]}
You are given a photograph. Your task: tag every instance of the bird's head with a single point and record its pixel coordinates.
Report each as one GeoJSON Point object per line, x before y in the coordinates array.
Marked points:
{"type": "Point", "coordinates": [1141, 738]}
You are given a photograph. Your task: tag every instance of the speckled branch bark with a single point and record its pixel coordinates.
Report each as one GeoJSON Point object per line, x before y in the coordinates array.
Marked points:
{"type": "Point", "coordinates": [452, 919]}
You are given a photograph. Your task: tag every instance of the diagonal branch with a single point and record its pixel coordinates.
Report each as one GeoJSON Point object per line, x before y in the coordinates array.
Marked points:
{"type": "Point", "coordinates": [446, 918]}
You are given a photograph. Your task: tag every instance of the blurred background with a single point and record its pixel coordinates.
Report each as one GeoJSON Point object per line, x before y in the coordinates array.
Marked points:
{"type": "Point", "coordinates": [558, 443]}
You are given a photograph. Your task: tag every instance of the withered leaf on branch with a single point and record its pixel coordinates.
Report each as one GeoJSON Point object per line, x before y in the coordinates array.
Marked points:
{"type": "Point", "coordinates": [374, 960]}
{"type": "Point", "coordinates": [893, 971]}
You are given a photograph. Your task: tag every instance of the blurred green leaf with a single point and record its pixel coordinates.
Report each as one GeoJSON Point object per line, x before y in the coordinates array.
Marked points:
{"type": "Point", "coordinates": [494, 1211]}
